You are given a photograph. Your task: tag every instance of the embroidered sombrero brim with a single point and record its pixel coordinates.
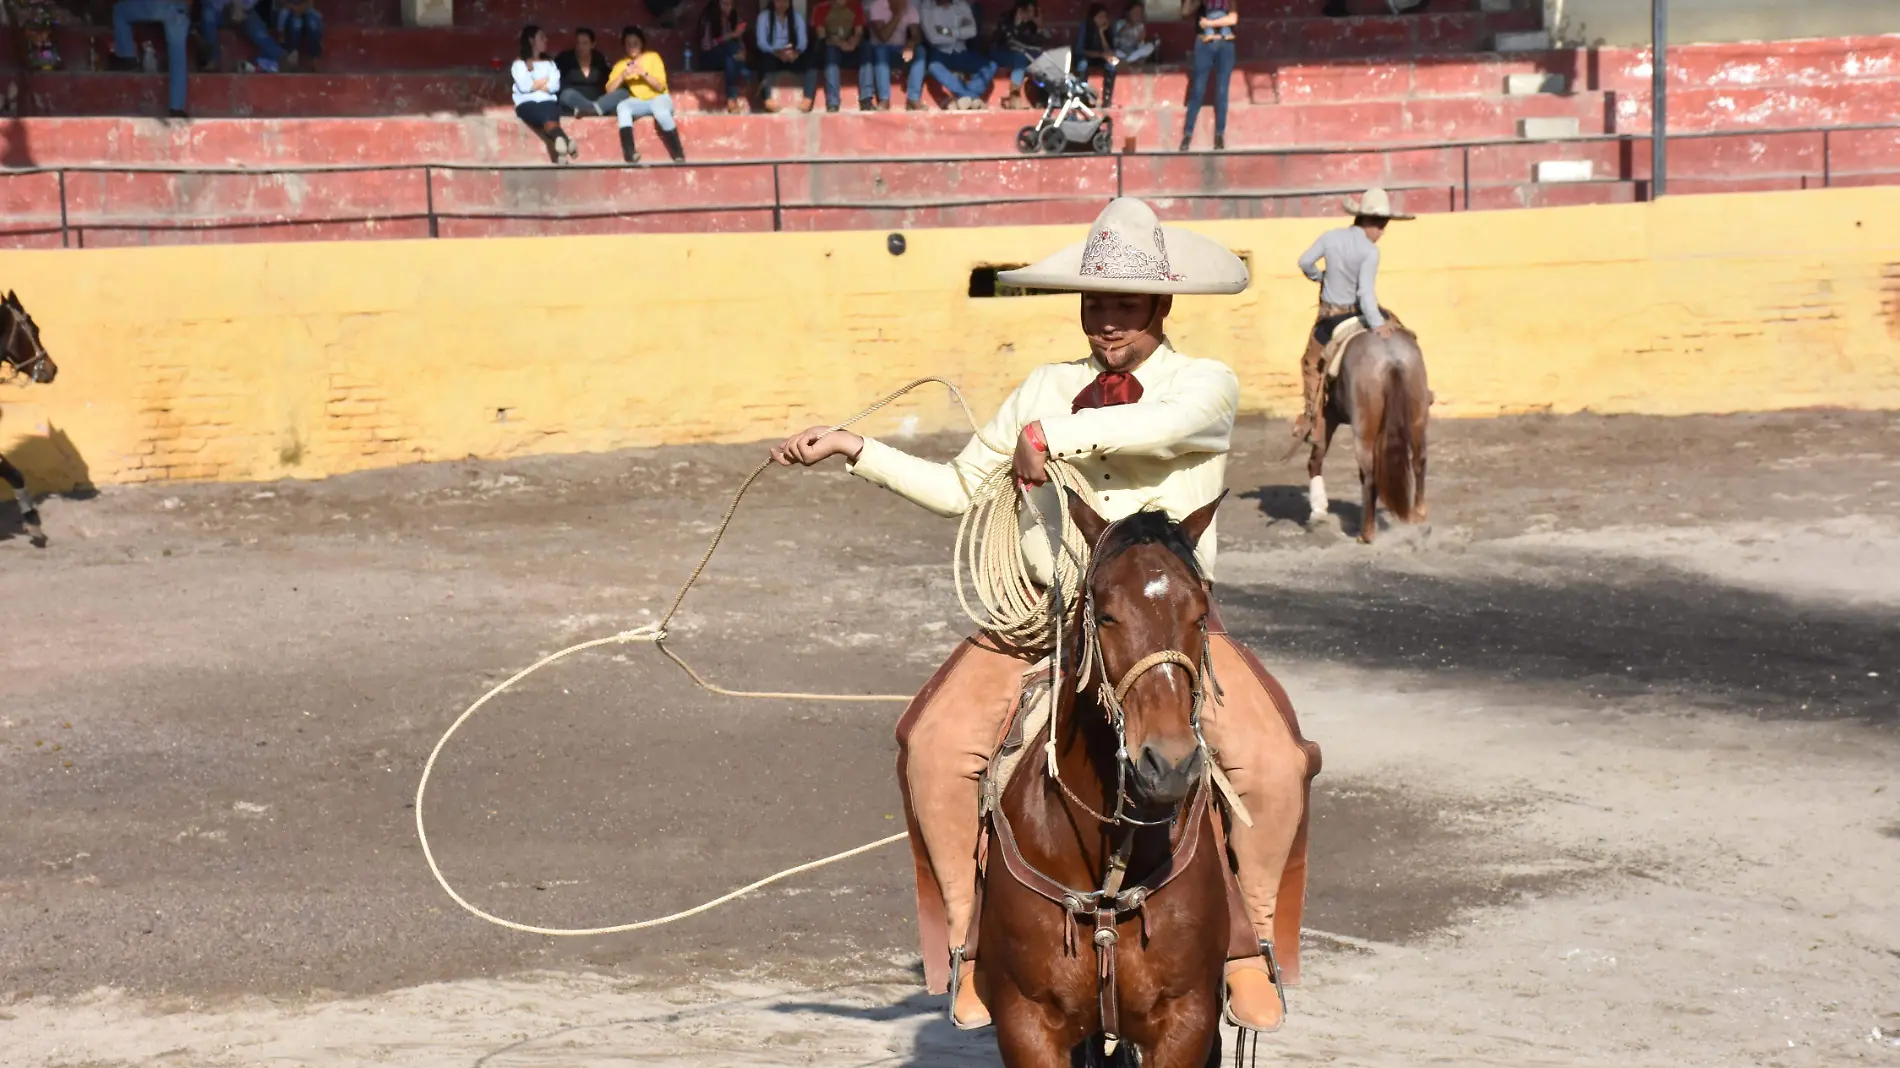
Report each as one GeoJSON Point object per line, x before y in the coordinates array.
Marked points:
{"type": "Point", "coordinates": [1127, 251]}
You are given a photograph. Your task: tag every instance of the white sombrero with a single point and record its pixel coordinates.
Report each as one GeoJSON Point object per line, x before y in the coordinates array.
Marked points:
{"type": "Point", "coordinates": [1377, 204]}
{"type": "Point", "coordinates": [1129, 251]}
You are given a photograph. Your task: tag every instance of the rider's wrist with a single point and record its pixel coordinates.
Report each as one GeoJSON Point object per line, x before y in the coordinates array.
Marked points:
{"type": "Point", "coordinates": [1033, 434]}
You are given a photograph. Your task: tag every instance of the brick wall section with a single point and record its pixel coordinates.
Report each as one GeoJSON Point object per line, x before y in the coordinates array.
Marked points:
{"type": "Point", "coordinates": [261, 361]}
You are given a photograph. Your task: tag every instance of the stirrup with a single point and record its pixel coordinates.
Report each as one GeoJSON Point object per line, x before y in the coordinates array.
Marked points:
{"type": "Point", "coordinates": [1279, 989]}
{"type": "Point", "coordinates": [956, 987]}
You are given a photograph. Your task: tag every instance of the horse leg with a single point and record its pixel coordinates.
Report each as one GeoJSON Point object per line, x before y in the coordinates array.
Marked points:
{"type": "Point", "coordinates": [1031, 1034]}
{"type": "Point", "coordinates": [1419, 509]}
{"type": "Point", "coordinates": [29, 515]}
{"type": "Point", "coordinates": [1316, 501]}
{"type": "Point", "coordinates": [1368, 488]}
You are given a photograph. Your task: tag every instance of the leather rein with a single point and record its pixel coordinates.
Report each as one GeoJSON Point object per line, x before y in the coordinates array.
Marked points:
{"type": "Point", "coordinates": [28, 368]}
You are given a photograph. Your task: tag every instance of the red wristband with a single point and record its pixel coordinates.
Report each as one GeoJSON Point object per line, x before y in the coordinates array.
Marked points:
{"type": "Point", "coordinates": [1034, 433]}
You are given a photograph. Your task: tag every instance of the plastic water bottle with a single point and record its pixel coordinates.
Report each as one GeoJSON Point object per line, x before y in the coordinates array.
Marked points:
{"type": "Point", "coordinates": [688, 65]}
{"type": "Point", "coordinates": [148, 58]}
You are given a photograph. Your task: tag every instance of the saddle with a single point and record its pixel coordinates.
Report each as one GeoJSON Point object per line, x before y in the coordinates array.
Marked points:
{"type": "Point", "coordinates": [1335, 351]}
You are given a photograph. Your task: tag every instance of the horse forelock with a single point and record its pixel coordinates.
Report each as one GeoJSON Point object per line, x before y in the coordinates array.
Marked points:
{"type": "Point", "coordinates": [1148, 527]}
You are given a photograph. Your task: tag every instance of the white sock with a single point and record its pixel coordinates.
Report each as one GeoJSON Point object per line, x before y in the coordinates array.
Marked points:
{"type": "Point", "coordinates": [1316, 496]}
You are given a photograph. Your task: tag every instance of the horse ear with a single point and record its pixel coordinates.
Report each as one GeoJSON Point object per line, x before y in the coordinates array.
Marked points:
{"type": "Point", "coordinates": [1196, 523]}
{"type": "Point", "coordinates": [1086, 520]}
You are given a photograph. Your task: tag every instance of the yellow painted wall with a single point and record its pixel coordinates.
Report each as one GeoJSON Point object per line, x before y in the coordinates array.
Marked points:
{"type": "Point", "coordinates": [264, 361]}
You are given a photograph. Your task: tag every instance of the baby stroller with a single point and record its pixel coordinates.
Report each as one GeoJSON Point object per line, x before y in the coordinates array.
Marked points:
{"type": "Point", "coordinates": [1068, 122]}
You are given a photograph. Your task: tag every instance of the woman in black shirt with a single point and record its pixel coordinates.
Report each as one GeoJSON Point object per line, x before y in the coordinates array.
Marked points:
{"type": "Point", "coordinates": [583, 74]}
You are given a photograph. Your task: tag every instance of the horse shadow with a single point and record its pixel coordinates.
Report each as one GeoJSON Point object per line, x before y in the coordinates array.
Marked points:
{"type": "Point", "coordinates": [936, 1044]}
{"type": "Point", "coordinates": [53, 466]}
{"type": "Point", "coordinates": [1289, 503]}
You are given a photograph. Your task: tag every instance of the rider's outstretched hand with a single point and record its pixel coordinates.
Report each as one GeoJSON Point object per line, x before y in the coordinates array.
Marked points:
{"type": "Point", "coordinates": [815, 444]}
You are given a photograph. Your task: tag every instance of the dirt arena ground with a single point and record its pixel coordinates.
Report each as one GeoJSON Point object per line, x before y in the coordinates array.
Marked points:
{"type": "Point", "coordinates": [1612, 759]}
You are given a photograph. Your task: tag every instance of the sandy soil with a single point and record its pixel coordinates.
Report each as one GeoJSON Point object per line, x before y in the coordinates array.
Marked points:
{"type": "Point", "coordinates": [1610, 776]}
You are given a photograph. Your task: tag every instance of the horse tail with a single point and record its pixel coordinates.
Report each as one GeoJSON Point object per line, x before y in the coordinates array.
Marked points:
{"type": "Point", "coordinates": [1392, 458]}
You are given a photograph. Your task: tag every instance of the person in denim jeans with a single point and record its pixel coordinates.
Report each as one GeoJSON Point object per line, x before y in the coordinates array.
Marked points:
{"type": "Point", "coordinates": [891, 35]}
{"type": "Point", "coordinates": [1213, 55]}
{"type": "Point", "coordinates": [244, 16]}
{"type": "Point", "coordinates": [722, 48]}
{"type": "Point", "coordinates": [838, 28]}
{"type": "Point", "coordinates": [171, 14]}
{"type": "Point", "coordinates": [949, 27]}
{"type": "Point", "coordinates": [300, 27]}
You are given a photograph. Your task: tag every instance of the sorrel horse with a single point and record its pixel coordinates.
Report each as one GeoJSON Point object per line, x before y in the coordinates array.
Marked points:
{"type": "Point", "coordinates": [23, 357]}
{"type": "Point", "coordinates": [1104, 923]}
{"type": "Point", "coordinates": [1382, 393]}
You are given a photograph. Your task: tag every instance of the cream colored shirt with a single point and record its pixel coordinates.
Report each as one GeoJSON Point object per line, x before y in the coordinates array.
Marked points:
{"type": "Point", "coordinates": [1167, 450]}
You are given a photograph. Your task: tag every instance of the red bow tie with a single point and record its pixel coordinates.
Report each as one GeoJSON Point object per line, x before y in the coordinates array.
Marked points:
{"type": "Point", "coordinates": [1109, 389]}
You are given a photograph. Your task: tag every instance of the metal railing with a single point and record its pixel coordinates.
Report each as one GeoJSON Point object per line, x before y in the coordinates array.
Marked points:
{"type": "Point", "coordinates": [435, 177]}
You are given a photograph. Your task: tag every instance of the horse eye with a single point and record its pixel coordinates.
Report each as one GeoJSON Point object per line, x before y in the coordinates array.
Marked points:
{"type": "Point", "coordinates": [1104, 619]}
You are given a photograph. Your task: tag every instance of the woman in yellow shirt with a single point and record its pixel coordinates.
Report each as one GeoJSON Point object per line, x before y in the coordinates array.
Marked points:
{"type": "Point", "coordinates": [637, 87]}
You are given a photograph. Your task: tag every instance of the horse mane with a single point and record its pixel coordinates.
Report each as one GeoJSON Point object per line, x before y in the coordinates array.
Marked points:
{"type": "Point", "coordinates": [1150, 526]}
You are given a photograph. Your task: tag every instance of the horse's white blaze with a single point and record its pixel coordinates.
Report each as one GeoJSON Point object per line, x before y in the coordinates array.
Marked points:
{"type": "Point", "coordinates": [1316, 496]}
{"type": "Point", "coordinates": [1156, 588]}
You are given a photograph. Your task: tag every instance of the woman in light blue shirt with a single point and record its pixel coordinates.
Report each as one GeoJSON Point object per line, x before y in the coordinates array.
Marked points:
{"type": "Point", "coordinates": [782, 40]}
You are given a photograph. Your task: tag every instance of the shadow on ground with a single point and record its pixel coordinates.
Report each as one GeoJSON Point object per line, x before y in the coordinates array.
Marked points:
{"type": "Point", "coordinates": [1644, 629]}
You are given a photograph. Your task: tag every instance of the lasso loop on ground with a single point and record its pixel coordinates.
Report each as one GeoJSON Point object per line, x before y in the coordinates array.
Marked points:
{"type": "Point", "coordinates": [1003, 597]}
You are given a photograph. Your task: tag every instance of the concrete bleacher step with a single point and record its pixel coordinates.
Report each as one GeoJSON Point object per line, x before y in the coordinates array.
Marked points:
{"type": "Point", "coordinates": [1549, 128]}
{"type": "Point", "coordinates": [1524, 41]}
{"type": "Point", "coordinates": [1565, 170]}
{"type": "Point", "coordinates": [1533, 84]}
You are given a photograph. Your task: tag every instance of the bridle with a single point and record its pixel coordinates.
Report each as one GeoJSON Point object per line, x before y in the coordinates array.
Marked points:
{"type": "Point", "coordinates": [30, 367]}
{"type": "Point", "coordinates": [1110, 695]}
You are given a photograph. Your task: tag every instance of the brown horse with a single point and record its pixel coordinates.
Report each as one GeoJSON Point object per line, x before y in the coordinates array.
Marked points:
{"type": "Point", "coordinates": [22, 355]}
{"type": "Point", "coordinates": [1381, 391]}
{"type": "Point", "coordinates": [1104, 922]}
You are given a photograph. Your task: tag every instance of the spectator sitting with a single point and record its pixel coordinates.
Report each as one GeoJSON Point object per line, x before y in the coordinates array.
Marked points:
{"type": "Point", "coordinates": [838, 25]}
{"type": "Point", "coordinates": [1130, 36]}
{"type": "Point", "coordinates": [583, 75]}
{"type": "Point", "coordinates": [782, 43]}
{"type": "Point", "coordinates": [1019, 39]}
{"type": "Point", "coordinates": [536, 92]}
{"type": "Point", "coordinates": [893, 34]}
{"type": "Point", "coordinates": [637, 88]}
{"type": "Point", "coordinates": [300, 28]}
{"type": "Point", "coordinates": [965, 73]}
{"type": "Point", "coordinates": [1095, 47]}
{"type": "Point", "coordinates": [175, 17]}
{"type": "Point", "coordinates": [722, 47]}
{"type": "Point", "coordinates": [242, 14]}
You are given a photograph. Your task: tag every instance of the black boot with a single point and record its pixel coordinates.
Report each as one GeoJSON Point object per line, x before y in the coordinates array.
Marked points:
{"type": "Point", "coordinates": [671, 139]}
{"type": "Point", "coordinates": [627, 151]}
{"type": "Point", "coordinates": [1220, 142]}
{"type": "Point", "coordinates": [1108, 89]}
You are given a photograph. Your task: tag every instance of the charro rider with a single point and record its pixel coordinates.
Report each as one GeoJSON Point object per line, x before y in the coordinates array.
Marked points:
{"type": "Point", "coordinates": [1346, 289]}
{"type": "Point", "coordinates": [1147, 427]}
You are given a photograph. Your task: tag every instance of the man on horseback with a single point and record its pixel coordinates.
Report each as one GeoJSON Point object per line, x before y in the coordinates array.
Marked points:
{"type": "Point", "coordinates": [1147, 428]}
{"type": "Point", "coordinates": [1347, 290]}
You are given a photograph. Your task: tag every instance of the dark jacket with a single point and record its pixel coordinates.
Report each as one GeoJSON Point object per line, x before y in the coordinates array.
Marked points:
{"type": "Point", "coordinates": [590, 85]}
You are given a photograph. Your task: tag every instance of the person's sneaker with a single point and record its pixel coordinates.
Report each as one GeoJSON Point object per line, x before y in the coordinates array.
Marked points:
{"type": "Point", "coordinates": [178, 113]}
{"type": "Point", "coordinates": [866, 103]}
{"type": "Point", "coordinates": [831, 109]}
{"type": "Point", "coordinates": [913, 105]}
{"type": "Point", "coordinates": [1186, 140]}
{"type": "Point", "coordinates": [268, 66]}
{"type": "Point", "coordinates": [122, 63]}
{"type": "Point", "coordinates": [1220, 142]}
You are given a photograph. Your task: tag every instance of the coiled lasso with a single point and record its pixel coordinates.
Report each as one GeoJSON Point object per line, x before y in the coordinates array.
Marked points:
{"type": "Point", "coordinates": [994, 586]}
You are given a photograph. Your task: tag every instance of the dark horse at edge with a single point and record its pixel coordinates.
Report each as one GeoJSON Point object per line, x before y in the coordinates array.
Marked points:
{"type": "Point", "coordinates": [1103, 938]}
{"type": "Point", "coordinates": [25, 357]}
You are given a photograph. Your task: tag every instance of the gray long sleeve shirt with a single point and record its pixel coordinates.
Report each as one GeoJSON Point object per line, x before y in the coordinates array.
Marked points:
{"type": "Point", "coordinates": [1352, 264]}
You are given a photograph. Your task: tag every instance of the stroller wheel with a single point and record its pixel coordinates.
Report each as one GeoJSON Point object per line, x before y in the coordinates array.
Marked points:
{"type": "Point", "coordinates": [1053, 140]}
{"type": "Point", "coordinates": [1027, 140]}
{"type": "Point", "coordinates": [1104, 140]}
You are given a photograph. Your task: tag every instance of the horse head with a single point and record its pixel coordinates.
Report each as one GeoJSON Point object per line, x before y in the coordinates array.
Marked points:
{"type": "Point", "coordinates": [1142, 640]}
{"type": "Point", "coordinates": [20, 345]}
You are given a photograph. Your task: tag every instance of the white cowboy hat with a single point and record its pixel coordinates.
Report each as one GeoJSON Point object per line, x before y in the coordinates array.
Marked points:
{"type": "Point", "coordinates": [1377, 204]}
{"type": "Point", "coordinates": [1129, 251]}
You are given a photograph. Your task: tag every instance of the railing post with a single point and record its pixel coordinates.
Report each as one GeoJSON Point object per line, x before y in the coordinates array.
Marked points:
{"type": "Point", "coordinates": [65, 234]}
{"type": "Point", "coordinates": [1658, 98]}
{"type": "Point", "coordinates": [1118, 175]}
{"type": "Point", "coordinates": [778, 203]}
{"type": "Point", "coordinates": [1467, 161]}
{"type": "Point", "coordinates": [1827, 159]}
{"type": "Point", "coordinates": [428, 193]}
